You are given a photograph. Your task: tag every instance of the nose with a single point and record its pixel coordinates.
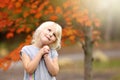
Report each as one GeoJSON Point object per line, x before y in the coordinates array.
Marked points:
{"type": "Point", "coordinates": [50, 34]}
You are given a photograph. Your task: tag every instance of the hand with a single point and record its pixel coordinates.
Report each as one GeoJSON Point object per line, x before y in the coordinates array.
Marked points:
{"type": "Point", "coordinates": [45, 50]}
{"type": "Point", "coordinates": [45, 55]}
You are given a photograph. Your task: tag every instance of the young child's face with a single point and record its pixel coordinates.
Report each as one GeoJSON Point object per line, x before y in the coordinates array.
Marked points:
{"type": "Point", "coordinates": [48, 35]}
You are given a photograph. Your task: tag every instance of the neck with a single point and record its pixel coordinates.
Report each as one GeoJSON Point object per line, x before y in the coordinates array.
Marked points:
{"type": "Point", "coordinates": [39, 45]}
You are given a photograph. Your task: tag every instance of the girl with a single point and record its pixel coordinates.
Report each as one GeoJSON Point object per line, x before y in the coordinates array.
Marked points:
{"type": "Point", "coordinates": [40, 59]}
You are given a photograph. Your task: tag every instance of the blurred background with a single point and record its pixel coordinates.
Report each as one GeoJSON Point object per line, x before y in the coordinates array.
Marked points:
{"type": "Point", "coordinates": [106, 54]}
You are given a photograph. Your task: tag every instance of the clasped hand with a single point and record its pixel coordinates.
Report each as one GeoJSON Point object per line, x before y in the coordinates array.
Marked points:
{"type": "Point", "coordinates": [45, 50]}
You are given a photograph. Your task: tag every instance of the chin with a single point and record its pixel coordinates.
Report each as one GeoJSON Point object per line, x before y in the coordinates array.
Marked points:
{"type": "Point", "coordinates": [45, 42]}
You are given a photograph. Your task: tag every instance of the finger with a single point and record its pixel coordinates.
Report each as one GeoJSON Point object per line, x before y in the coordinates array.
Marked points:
{"type": "Point", "coordinates": [46, 46]}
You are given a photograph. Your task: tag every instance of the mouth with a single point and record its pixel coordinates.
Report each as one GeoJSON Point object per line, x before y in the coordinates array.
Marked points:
{"type": "Point", "coordinates": [48, 38]}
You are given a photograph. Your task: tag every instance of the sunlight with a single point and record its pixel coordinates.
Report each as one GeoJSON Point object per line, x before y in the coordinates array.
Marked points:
{"type": "Point", "coordinates": [104, 4]}
{"type": "Point", "coordinates": [107, 4]}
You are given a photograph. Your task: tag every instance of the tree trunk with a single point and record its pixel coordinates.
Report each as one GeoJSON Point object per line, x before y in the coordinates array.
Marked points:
{"type": "Point", "coordinates": [108, 27]}
{"type": "Point", "coordinates": [88, 47]}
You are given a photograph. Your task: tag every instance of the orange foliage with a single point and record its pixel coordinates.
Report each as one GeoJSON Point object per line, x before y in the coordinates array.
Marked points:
{"type": "Point", "coordinates": [33, 6]}
{"type": "Point", "coordinates": [9, 35]}
{"type": "Point", "coordinates": [72, 38]}
{"type": "Point", "coordinates": [46, 12]}
{"type": "Point", "coordinates": [88, 23]}
{"type": "Point", "coordinates": [50, 9]}
{"type": "Point", "coordinates": [43, 5]}
{"type": "Point", "coordinates": [96, 35]}
{"type": "Point", "coordinates": [66, 4]}
{"type": "Point", "coordinates": [12, 18]}
{"type": "Point", "coordinates": [12, 29]}
{"type": "Point", "coordinates": [25, 14]}
{"type": "Point", "coordinates": [21, 1]}
{"type": "Point", "coordinates": [67, 13]}
{"type": "Point", "coordinates": [32, 11]}
{"type": "Point", "coordinates": [21, 14]}
{"type": "Point", "coordinates": [17, 11]}
{"type": "Point", "coordinates": [18, 31]}
{"type": "Point", "coordinates": [53, 18]}
{"type": "Point", "coordinates": [70, 33]}
{"type": "Point", "coordinates": [4, 21]}
{"type": "Point", "coordinates": [95, 32]}
{"type": "Point", "coordinates": [28, 29]}
{"type": "Point", "coordinates": [4, 3]}
{"type": "Point", "coordinates": [58, 10]}
{"type": "Point", "coordinates": [38, 15]}
{"type": "Point", "coordinates": [18, 4]}
{"type": "Point", "coordinates": [97, 22]}
{"type": "Point", "coordinates": [14, 55]}
{"type": "Point", "coordinates": [68, 20]}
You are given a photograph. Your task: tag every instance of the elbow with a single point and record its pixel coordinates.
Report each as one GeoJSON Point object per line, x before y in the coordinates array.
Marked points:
{"type": "Point", "coordinates": [55, 72]}
{"type": "Point", "coordinates": [29, 70]}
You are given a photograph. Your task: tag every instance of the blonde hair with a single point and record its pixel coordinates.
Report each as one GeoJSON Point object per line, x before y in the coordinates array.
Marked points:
{"type": "Point", "coordinates": [57, 44]}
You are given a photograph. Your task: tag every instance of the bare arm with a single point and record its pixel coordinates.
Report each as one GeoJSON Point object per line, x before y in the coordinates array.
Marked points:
{"type": "Point", "coordinates": [31, 65]}
{"type": "Point", "coordinates": [52, 65]}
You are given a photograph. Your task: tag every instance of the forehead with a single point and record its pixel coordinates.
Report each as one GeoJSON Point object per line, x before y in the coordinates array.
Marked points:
{"type": "Point", "coordinates": [52, 27]}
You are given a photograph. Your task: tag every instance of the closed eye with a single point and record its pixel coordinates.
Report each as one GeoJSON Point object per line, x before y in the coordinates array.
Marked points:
{"type": "Point", "coordinates": [54, 34]}
{"type": "Point", "coordinates": [49, 30]}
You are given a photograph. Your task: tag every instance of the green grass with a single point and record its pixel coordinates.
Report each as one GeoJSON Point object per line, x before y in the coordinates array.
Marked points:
{"type": "Point", "coordinates": [114, 63]}
{"type": "Point", "coordinates": [110, 68]}
{"type": "Point", "coordinates": [117, 77]}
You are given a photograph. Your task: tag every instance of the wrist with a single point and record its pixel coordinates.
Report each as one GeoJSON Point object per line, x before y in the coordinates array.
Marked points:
{"type": "Point", "coordinates": [45, 55]}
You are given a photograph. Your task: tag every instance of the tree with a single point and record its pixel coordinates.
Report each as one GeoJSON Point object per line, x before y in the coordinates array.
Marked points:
{"type": "Point", "coordinates": [21, 16]}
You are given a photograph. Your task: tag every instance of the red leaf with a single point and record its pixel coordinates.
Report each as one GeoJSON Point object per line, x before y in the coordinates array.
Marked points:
{"type": "Point", "coordinates": [9, 35]}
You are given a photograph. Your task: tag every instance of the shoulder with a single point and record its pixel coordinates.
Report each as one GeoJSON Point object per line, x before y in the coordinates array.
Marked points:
{"type": "Point", "coordinates": [54, 53]}
{"type": "Point", "coordinates": [26, 46]}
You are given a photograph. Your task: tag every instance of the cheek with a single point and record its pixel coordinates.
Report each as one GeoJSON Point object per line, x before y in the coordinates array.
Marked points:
{"type": "Point", "coordinates": [41, 35]}
{"type": "Point", "coordinates": [54, 39]}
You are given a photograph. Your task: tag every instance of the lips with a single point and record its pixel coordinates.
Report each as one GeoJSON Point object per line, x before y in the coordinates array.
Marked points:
{"type": "Point", "coordinates": [48, 38]}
